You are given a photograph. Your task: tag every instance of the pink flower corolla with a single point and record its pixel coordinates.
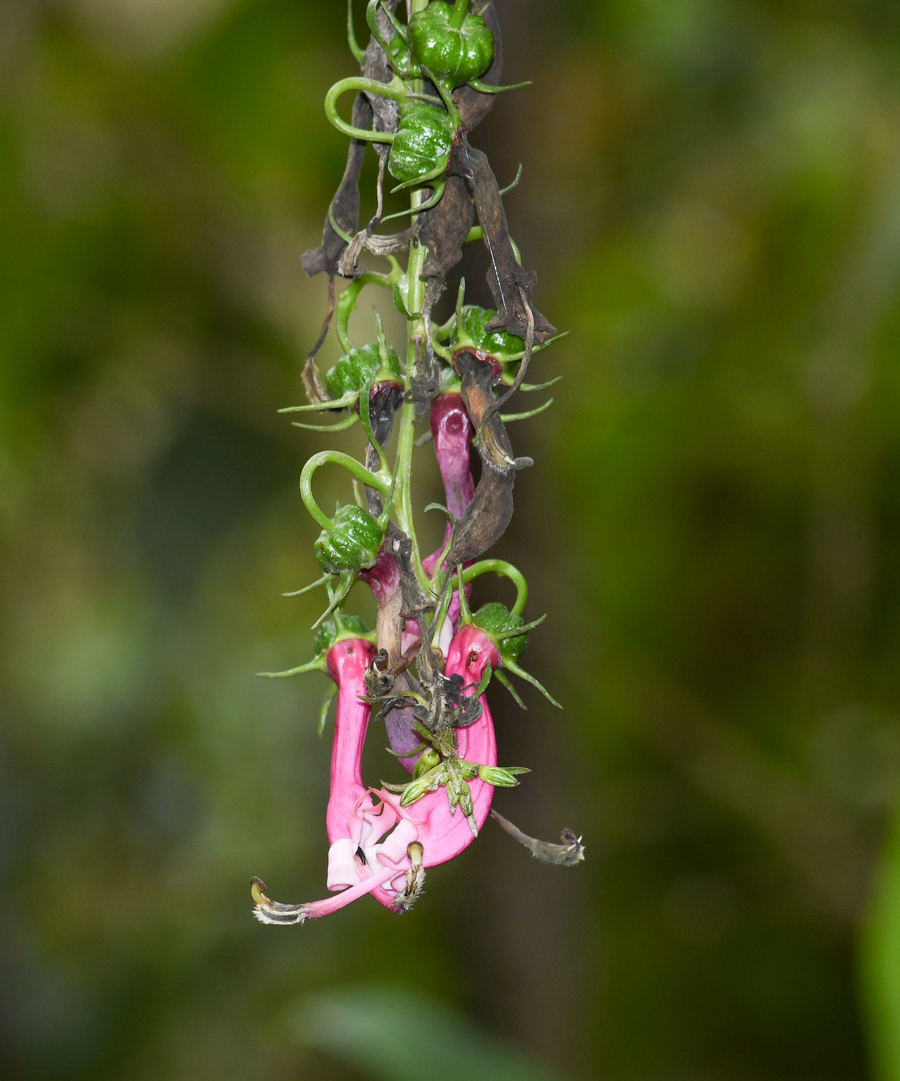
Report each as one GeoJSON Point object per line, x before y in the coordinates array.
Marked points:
{"type": "Point", "coordinates": [378, 846]}
{"type": "Point", "coordinates": [452, 430]}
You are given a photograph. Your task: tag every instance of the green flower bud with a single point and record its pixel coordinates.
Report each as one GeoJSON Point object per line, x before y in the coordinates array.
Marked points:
{"type": "Point", "coordinates": [422, 144]}
{"type": "Point", "coordinates": [499, 777]}
{"type": "Point", "coordinates": [418, 788]}
{"type": "Point", "coordinates": [352, 544]}
{"type": "Point", "coordinates": [495, 619]}
{"type": "Point", "coordinates": [428, 759]}
{"type": "Point", "coordinates": [473, 336]}
{"type": "Point", "coordinates": [361, 368]}
{"type": "Point", "coordinates": [453, 45]}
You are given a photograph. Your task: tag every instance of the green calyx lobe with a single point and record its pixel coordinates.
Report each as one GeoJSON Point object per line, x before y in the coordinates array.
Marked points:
{"type": "Point", "coordinates": [451, 47]}
{"type": "Point", "coordinates": [496, 620]}
{"type": "Point", "coordinates": [362, 368]}
{"type": "Point", "coordinates": [352, 543]}
{"type": "Point", "coordinates": [422, 144]}
{"type": "Point", "coordinates": [336, 630]}
{"type": "Point", "coordinates": [473, 335]}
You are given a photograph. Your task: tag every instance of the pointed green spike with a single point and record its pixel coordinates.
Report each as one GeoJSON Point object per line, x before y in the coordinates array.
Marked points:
{"type": "Point", "coordinates": [521, 630]}
{"type": "Point", "coordinates": [508, 418]}
{"type": "Point", "coordinates": [337, 599]}
{"type": "Point", "coordinates": [316, 665]}
{"type": "Point", "coordinates": [465, 613]}
{"type": "Point", "coordinates": [407, 754]}
{"type": "Point", "coordinates": [522, 674]}
{"type": "Point", "coordinates": [313, 585]}
{"type": "Point", "coordinates": [503, 680]}
{"type": "Point", "coordinates": [341, 426]}
{"type": "Point", "coordinates": [483, 88]}
{"type": "Point", "coordinates": [358, 52]}
{"type": "Point", "coordinates": [528, 387]}
{"type": "Point", "coordinates": [338, 403]}
{"type": "Point", "coordinates": [395, 22]}
{"type": "Point", "coordinates": [332, 221]}
{"type": "Point", "coordinates": [485, 680]}
{"type": "Point", "coordinates": [514, 185]}
{"type": "Point", "coordinates": [441, 507]}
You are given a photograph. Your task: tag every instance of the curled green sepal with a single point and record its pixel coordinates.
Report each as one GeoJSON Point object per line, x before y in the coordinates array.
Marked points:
{"type": "Point", "coordinates": [379, 482]}
{"type": "Point", "coordinates": [395, 89]}
{"type": "Point", "coordinates": [493, 566]}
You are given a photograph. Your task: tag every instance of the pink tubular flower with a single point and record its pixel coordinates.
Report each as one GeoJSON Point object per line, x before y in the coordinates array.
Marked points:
{"type": "Point", "coordinates": [377, 846]}
{"type": "Point", "coordinates": [452, 430]}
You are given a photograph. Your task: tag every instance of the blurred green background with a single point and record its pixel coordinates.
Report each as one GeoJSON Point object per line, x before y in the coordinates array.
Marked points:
{"type": "Point", "coordinates": [711, 196]}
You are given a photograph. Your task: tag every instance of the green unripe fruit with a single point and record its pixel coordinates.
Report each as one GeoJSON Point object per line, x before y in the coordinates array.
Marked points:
{"type": "Point", "coordinates": [359, 368]}
{"type": "Point", "coordinates": [474, 336]}
{"type": "Point", "coordinates": [333, 630]}
{"type": "Point", "coordinates": [422, 143]}
{"type": "Point", "coordinates": [495, 619]}
{"type": "Point", "coordinates": [352, 544]}
{"type": "Point", "coordinates": [452, 45]}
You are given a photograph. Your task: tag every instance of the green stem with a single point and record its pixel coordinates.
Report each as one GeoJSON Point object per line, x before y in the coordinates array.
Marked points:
{"type": "Point", "coordinates": [395, 89]}
{"type": "Point", "coordinates": [407, 436]}
{"type": "Point", "coordinates": [500, 566]}
{"type": "Point", "coordinates": [373, 480]}
{"type": "Point", "coordinates": [416, 338]}
{"type": "Point", "coordinates": [346, 305]}
{"type": "Point", "coordinates": [460, 8]}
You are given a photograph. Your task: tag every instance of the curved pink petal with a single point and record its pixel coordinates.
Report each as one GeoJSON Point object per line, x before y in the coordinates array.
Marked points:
{"type": "Point", "coordinates": [347, 664]}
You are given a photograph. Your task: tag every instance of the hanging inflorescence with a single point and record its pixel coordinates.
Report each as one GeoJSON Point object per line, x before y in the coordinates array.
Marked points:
{"type": "Point", "coordinates": [425, 83]}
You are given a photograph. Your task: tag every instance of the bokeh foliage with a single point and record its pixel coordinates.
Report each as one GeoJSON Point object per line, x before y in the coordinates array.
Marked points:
{"type": "Point", "coordinates": [712, 198]}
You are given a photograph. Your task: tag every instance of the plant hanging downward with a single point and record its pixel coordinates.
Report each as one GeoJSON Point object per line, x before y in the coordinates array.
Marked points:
{"type": "Point", "coordinates": [425, 669]}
